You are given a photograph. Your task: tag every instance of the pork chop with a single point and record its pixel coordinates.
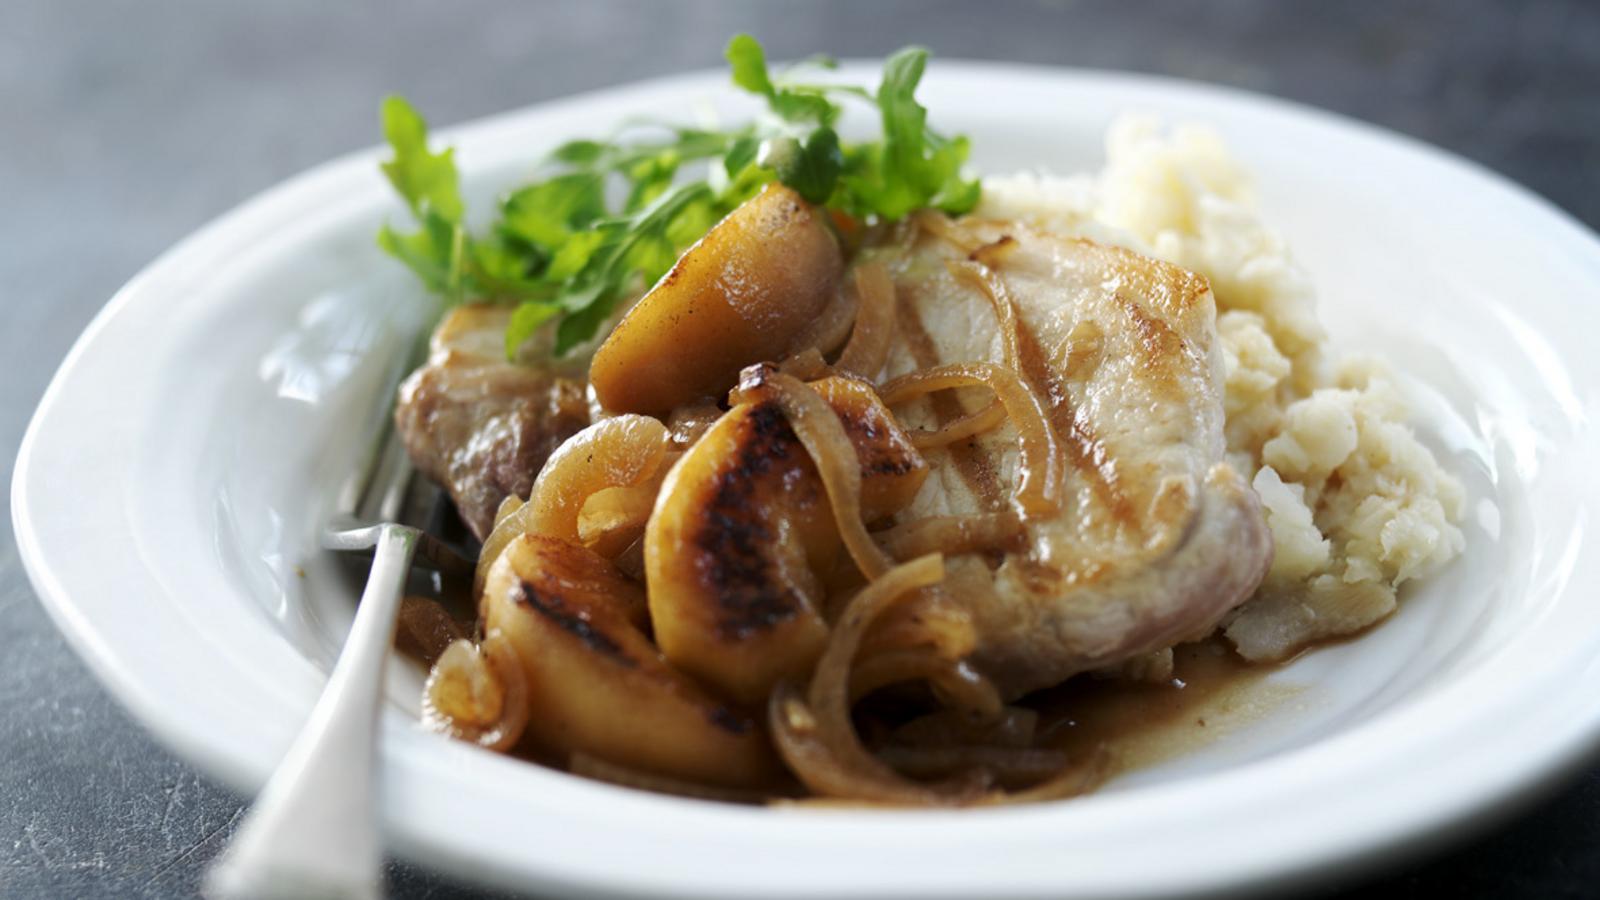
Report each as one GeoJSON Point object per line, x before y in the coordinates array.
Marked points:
{"type": "Point", "coordinates": [1158, 538]}
{"type": "Point", "coordinates": [479, 424]}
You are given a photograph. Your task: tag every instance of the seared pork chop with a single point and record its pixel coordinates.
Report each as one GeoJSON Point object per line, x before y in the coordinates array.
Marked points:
{"type": "Point", "coordinates": [1158, 538]}
{"type": "Point", "coordinates": [478, 424]}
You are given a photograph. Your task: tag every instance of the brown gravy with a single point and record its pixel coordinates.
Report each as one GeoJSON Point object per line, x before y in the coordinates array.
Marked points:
{"type": "Point", "coordinates": [1212, 692]}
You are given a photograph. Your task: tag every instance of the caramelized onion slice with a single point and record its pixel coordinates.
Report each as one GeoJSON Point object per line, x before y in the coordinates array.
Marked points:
{"type": "Point", "coordinates": [832, 326]}
{"type": "Point", "coordinates": [508, 507]}
{"type": "Point", "coordinates": [509, 522]}
{"type": "Point", "coordinates": [969, 425]}
{"type": "Point", "coordinates": [993, 288]}
{"type": "Point", "coordinates": [477, 693]}
{"type": "Point", "coordinates": [1041, 482]}
{"type": "Point", "coordinates": [815, 734]}
{"type": "Point", "coordinates": [618, 452]}
{"type": "Point", "coordinates": [614, 517]}
{"type": "Point", "coordinates": [957, 685]}
{"type": "Point", "coordinates": [942, 226]}
{"type": "Point", "coordinates": [951, 535]}
{"type": "Point", "coordinates": [817, 738]}
{"type": "Point", "coordinates": [807, 365]}
{"type": "Point", "coordinates": [868, 349]}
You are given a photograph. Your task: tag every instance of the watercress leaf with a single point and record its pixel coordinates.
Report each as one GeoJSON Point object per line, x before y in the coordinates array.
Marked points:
{"type": "Point", "coordinates": [583, 292]}
{"type": "Point", "coordinates": [694, 143]}
{"type": "Point", "coordinates": [691, 223]}
{"type": "Point", "coordinates": [651, 256]}
{"type": "Point", "coordinates": [749, 64]}
{"type": "Point", "coordinates": [579, 153]}
{"type": "Point", "coordinates": [546, 213]}
{"type": "Point", "coordinates": [955, 195]}
{"type": "Point", "coordinates": [565, 248]}
{"type": "Point", "coordinates": [742, 153]}
{"type": "Point", "coordinates": [580, 326]}
{"type": "Point", "coordinates": [803, 105]}
{"type": "Point", "coordinates": [417, 251]}
{"type": "Point", "coordinates": [650, 179]}
{"type": "Point", "coordinates": [525, 320]}
{"type": "Point", "coordinates": [497, 261]}
{"type": "Point", "coordinates": [958, 196]}
{"type": "Point", "coordinates": [811, 168]}
{"type": "Point", "coordinates": [427, 181]}
{"type": "Point", "coordinates": [574, 254]}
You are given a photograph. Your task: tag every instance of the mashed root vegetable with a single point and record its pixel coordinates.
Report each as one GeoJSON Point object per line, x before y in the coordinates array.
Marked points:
{"type": "Point", "coordinates": [1357, 505]}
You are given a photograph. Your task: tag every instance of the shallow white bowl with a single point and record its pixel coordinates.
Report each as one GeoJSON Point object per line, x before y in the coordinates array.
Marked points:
{"type": "Point", "coordinates": [170, 485]}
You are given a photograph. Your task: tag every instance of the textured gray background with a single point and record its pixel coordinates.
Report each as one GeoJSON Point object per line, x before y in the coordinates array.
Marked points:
{"type": "Point", "coordinates": [124, 125]}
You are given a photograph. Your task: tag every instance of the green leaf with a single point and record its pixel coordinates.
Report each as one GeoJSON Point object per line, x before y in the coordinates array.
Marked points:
{"type": "Point", "coordinates": [427, 181]}
{"type": "Point", "coordinates": [419, 253]}
{"type": "Point", "coordinates": [749, 63]}
{"type": "Point", "coordinates": [579, 153]}
{"type": "Point", "coordinates": [905, 177]}
{"type": "Point", "coordinates": [954, 195]}
{"type": "Point", "coordinates": [581, 294]}
{"type": "Point", "coordinates": [904, 119]}
{"type": "Point", "coordinates": [574, 255]}
{"type": "Point", "coordinates": [546, 214]}
{"type": "Point", "coordinates": [606, 217]}
{"type": "Point", "coordinates": [741, 154]}
{"type": "Point", "coordinates": [691, 223]}
{"type": "Point", "coordinates": [495, 260]}
{"type": "Point", "coordinates": [811, 168]}
{"type": "Point", "coordinates": [802, 106]}
{"type": "Point", "coordinates": [650, 179]}
{"type": "Point", "coordinates": [694, 143]}
{"type": "Point", "coordinates": [525, 320]}
{"type": "Point", "coordinates": [582, 325]}
{"type": "Point", "coordinates": [651, 257]}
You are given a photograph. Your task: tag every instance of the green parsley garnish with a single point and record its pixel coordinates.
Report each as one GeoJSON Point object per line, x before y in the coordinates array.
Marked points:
{"type": "Point", "coordinates": [610, 217]}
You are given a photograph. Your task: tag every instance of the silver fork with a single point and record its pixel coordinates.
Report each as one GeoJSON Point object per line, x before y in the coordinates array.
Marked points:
{"type": "Point", "coordinates": [313, 829]}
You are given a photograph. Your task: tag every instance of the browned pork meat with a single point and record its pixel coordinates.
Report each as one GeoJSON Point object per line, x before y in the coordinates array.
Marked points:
{"type": "Point", "coordinates": [478, 424]}
{"type": "Point", "coordinates": [1158, 538]}
{"type": "Point", "coordinates": [1127, 531]}
{"type": "Point", "coordinates": [1068, 395]}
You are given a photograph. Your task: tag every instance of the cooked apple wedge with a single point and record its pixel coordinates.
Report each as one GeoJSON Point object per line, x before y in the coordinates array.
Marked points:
{"type": "Point", "coordinates": [741, 295]}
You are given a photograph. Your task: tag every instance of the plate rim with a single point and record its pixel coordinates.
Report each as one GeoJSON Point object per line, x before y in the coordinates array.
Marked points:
{"type": "Point", "coordinates": [89, 644]}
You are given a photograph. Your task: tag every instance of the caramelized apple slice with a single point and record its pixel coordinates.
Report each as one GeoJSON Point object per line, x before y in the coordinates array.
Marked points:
{"type": "Point", "coordinates": [739, 296]}
{"type": "Point", "coordinates": [595, 683]}
{"type": "Point", "coordinates": [743, 537]}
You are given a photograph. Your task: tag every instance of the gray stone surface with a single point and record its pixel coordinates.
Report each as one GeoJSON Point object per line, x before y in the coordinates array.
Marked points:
{"type": "Point", "coordinates": [124, 125]}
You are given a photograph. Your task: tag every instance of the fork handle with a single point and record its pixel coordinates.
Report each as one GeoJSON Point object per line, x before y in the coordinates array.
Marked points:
{"type": "Point", "coordinates": [312, 831]}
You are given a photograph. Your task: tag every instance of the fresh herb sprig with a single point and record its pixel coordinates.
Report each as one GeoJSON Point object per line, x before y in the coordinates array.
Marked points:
{"type": "Point", "coordinates": [609, 217]}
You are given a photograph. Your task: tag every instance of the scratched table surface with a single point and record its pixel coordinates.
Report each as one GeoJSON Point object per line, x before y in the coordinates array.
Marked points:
{"type": "Point", "coordinates": [125, 125]}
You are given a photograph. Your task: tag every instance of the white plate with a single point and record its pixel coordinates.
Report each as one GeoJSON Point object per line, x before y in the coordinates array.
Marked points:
{"type": "Point", "coordinates": [168, 489]}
